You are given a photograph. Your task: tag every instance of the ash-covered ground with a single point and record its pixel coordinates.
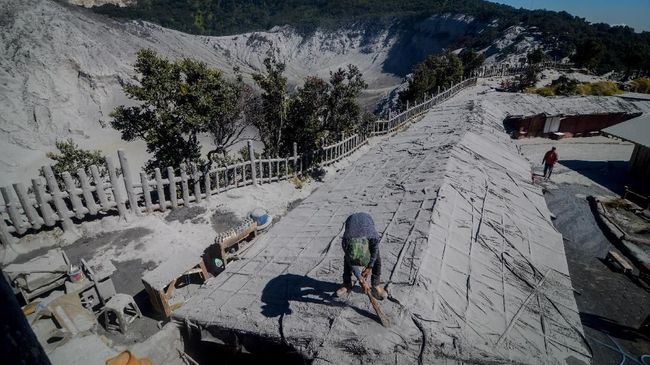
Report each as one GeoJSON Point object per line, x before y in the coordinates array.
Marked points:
{"type": "Point", "coordinates": [612, 305]}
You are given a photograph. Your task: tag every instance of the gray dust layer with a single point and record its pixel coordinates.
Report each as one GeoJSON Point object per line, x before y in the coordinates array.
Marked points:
{"type": "Point", "coordinates": [611, 305]}
{"type": "Point", "coordinates": [223, 221]}
{"type": "Point", "coordinates": [185, 213]}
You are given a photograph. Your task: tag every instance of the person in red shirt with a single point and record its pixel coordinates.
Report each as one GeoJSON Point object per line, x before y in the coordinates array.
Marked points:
{"type": "Point", "coordinates": [550, 158]}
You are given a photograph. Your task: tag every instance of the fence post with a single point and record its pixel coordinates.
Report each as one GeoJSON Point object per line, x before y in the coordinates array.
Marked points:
{"type": "Point", "coordinates": [5, 238]}
{"type": "Point", "coordinates": [43, 205]}
{"type": "Point", "coordinates": [295, 158]}
{"type": "Point", "coordinates": [251, 158]}
{"type": "Point", "coordinates": [99, 188]}
{"type": "Point", "coordinates": [144, 181]}
{"type": "Point", "coordinates": [77, 205]}
{"type": "Point", "coordinates": [197, 182]}
{"type": "Point", "coordinates": [12, 210]}
{"type": "Point", "coordinates": [171, 178]}
{"type": "Point", "coordinates": [286, 168]}
{"type": "Point", "coordinates": [115, 187]}
{"type": "Point", "coordinates": [160, 189]}
{"type": "Point", "coordinates": [207, 185]}
{"type": "Point", "coordinates": [128, 182]}
{"type": "Point", "coordinates": [26, 202]}
{"type": "Point", "coordinates": [87, 193]}
{"type": "Point", "coordinates": [184, 187]}
{"type": "Point", "coordinates": [216, 181]}
{"type": "Point", "coordinates": [59, 204]}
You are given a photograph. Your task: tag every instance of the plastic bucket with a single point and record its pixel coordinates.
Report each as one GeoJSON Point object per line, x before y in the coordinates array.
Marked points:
{"type": "Point", "coordinates": [75, 274]}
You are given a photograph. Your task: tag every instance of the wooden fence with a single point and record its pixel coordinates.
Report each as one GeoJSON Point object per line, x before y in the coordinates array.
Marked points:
{"type": "Point", "coordinates": [395, 122]}
{"type": "Point", "coordinates": [90, 194]}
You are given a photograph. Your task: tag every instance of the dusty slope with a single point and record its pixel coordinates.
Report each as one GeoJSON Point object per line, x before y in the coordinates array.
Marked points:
{"type": "Point", "coordinates": [61, 69]}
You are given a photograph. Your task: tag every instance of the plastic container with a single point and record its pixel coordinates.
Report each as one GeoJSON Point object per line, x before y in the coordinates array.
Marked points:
{"type": "Point", "coordinates": [75, 274]}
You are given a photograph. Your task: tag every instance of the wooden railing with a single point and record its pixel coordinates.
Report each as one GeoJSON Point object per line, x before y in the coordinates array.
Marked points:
{"type": "Point", "coordinates": [88, 194]}
{"type": "Point", "coordinates": [395, 122]}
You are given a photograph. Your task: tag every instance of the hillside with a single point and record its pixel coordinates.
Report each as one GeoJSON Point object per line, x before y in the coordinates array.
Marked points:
{"type": "Point", "coordinates": [599, 45]}
{"type": "Point", "coordinates": [62, 67]}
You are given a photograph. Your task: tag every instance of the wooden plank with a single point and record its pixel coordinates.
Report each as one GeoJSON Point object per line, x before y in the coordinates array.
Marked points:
{"type": "Point", "coordinates": [146, 191]}
{"type": "Point", "coordinates": [31, 213]}
{"type": "Point", "coordinates": [185, 190]}
{"type": "Point", "coordinates": [99, 188]}
{"type": "Point", "coordinates": [87, 192]}
{"type": "Point", "coordinates": [43, 203]}
{"type": "Point", "coordinates": [160, 190]}
{"type": "Point", "coordinates": [128, 182]}
{"type": "Point", "coordinates": [71, 188]}
{"type": "Point", "coordinates": [171, 178]}
{"type": "Point", "coordinates": [616, 259]}
{"type": "Point", "coordinates": [61, 209]}
{"type": "Point", "coordinates": [11, 205]}
{"type": "Point", "coordinates": [115, 187]}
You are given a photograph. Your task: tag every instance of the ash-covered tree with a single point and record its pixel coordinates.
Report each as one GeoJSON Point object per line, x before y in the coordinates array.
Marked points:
{"type": "Point", "coordinates": [306, 115]}
{"type": "Point", "coordinates": [528, 78]}
{"type": "Point", "coordinates": [320, 111]}
{"type": "Point", "coordinates": [589, 53]}
{"type": "Point", "coordinates": [471, 60]}
{"type": "Point", "coordinates": [274, 102]}
{"type": "Point", "coordinates": [536, 56]}
{"type": "Point", "coordinates": [239, 109]}
{"type": "Point", "coordinates": [343, 113]}
{"type": "Point", "coordinates": [177, 101]}
{"type": "Point", "coordinates": [70, 157]}
{"type": "Point", "coordinates": [429, 75]}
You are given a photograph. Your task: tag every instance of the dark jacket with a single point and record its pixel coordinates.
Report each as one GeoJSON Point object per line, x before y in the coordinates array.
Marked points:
{"type": "Point", "coordinates": [361, 225]}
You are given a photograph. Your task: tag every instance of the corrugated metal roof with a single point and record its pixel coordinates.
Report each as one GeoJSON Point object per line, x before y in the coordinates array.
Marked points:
{"type": "Point", "coordinates": [635, 130]}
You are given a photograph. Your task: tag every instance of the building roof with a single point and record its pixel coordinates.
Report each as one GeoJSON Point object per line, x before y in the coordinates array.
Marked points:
{"type": "Point", "coordinates": [635, 130]}
{"type": "Point", "coordinates": [635, 96]}
{"type": "Point", "coordinates": [531, 104]}
{"type": "Point", "coordinates": [476, 271]}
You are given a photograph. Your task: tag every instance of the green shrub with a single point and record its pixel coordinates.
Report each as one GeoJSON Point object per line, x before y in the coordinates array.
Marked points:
{"type": "Point", "coordinates": [545, 91]}
{"type": "Point", "coordinates": [71, 157]}
{"type": "Point", "coordinates": [603, 88]}
{"type": "Point", "coordinates": [568, 87]}
{"type": "Point", "coordinates": [641, 85]}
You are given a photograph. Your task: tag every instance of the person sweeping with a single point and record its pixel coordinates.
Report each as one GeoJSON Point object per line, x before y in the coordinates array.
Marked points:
{"type": "Point", "coordinates": [361, 255]}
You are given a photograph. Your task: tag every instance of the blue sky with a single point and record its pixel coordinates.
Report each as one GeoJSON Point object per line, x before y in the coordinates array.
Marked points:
{"type": "Point", "coordinates": [634, 13]}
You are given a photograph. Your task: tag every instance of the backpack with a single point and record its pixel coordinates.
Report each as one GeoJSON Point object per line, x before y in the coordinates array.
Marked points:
{"type": "Point", "coordinates": [359, 251]}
